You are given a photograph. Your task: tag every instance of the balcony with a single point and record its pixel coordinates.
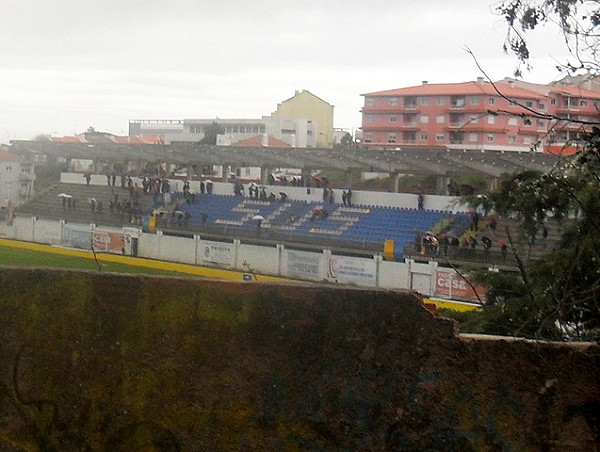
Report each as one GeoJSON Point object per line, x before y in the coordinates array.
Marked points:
{"type": "Point", "coordinates": [457, 103]}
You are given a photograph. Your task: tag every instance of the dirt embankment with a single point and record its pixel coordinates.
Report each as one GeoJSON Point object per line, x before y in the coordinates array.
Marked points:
{"type": "Point", "coordinates": [121, 363]}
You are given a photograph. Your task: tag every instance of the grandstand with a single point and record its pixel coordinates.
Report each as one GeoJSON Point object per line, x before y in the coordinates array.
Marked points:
{"type": "Point", "coordinates": [357, 230]}
{"type": "Point", "coordinates": [352, 227]}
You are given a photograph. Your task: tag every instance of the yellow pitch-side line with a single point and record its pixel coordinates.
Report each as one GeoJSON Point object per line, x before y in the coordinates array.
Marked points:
{"type": "Point", "coordinates": [141, 262]}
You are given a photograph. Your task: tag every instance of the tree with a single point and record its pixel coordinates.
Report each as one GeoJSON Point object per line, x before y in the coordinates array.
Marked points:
{"type": "Point", "coordinates": [578, 20]}
{"type": "Point", "coordinates": [211, 132]}
{"type": "Point", "coordinates": [347, 142]}
{"type": "Point", "coordinates": [557, 296]}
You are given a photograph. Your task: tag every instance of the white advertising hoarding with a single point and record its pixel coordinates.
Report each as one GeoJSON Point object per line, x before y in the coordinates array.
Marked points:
{"type": "Point", "coordinates": [216, 253]}
{"type": "Point", "coordinates": [352, 270]}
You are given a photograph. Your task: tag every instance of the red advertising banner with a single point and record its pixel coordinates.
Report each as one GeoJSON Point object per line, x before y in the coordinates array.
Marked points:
{"type": "Point", "coordinates": [448, 284]}
{"type": "Point", "coordinates": [109, 242]}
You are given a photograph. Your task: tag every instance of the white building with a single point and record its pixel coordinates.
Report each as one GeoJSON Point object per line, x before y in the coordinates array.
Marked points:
{"type": "Point", "coordinates": [303, 120]}
{"type": "Point", "coordinates": [17, 176]}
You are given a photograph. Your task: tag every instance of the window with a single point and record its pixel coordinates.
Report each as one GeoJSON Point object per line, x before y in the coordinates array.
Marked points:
{"type": "Point", "coordinates": [368, 137]}
{"type": "Point", "coordinates": [491, 119]}
{"type": "Point", "coordinates": [492, 101]}
{"type": "Point", "coordinates": [512, 139]}
{"type": "Point", "coordinates": [423, 137]}
{"type": "Point", "coordinates": [553, 102]}
{"type": "Point", "coordinates": [369, 101]}
{"type": "Point", "coordinates": [457, 102]}
{"type": "Point", "coordinates": [490, 138]}
{"type": "Point", "coordinates": [369, 119]}
{"type": "Point", "coordinates": [440, 119]}
{"type": "Point", "coordinates": [513, 103]}
{"type": "Point", "coordinates": [542, 106]}
{"type": "Point", "coordinates": [529, 104]}
{"type": "Point", "coordinates": [410, 102]}
{"type": "Point", "coordinates": [473, 119]}
{"type": "Point", "coordinates": [456, 119]}
{"type": "Point", "coordinates": [424, 119]}
{"type": "Point", "coordinates": [512, 121]}
{"type": "Point", "coordinates": [541, 124]}
{"type": "Point", "coordinates": [473, 137]}
{"type": "Point", "coordinates": [474, 100]}
{"type": "Point", "coordinates": [583, 103]}
{"type": "Point", "coordinates": [393, 118]}
{"type": "Point", "coordinates": [456, 137]}
{"type": "Point", "coordinates": [424, 100]}
{"type": "Point", "coordinates": [409, 136]}
{"type": "Point", "coordinates": [441, 100]}
{"type": "Point", "coordinates": [287, 131]}
{"type": "Point", "coordinates": [528, 139]}
{"type": "Point", "coordinates": [439, 137]}
{"type": "Point", "coordinates": [410, 119]}
{"type": "Point", "coordinates": [392, 138]}
{"type": "Point", "coordinates": [393, 101]}
{"type": "Point", "coordinates": [526, 121]}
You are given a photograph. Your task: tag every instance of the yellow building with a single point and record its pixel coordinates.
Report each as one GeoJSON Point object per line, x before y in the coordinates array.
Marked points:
{"type": "Point", "coordinates": [304, 120]}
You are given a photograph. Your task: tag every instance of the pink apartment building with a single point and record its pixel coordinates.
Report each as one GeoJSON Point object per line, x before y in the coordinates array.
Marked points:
{"type": "Point", "coordinates": [507, 116]}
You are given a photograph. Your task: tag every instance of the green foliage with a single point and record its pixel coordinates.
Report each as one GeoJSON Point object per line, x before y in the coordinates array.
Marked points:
{"type": "Point", "coordinates": [211, 132]}
{"type": "Point", "coordinates": [557, 296]}
{"type": "Point", "coordinates": [347, 142]}
{"type": "Point", "coordinates": [578, 20]}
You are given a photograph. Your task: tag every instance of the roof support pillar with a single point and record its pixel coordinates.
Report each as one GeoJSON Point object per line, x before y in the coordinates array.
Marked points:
{"type": "Point", "coordinates": [265, 171]}
{"type": "Point", "coordinates": [441, 185]}
{"type": "Point", "coordinates": [348, 178]}
{"type": "Point", "coordinates": [394, 178]}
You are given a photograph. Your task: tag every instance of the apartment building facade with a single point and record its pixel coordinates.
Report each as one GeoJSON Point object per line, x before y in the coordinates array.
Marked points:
{"type": "Point", "coordinates": [478, 115]}
{"type": "Point", "coordinates": [17, 176]}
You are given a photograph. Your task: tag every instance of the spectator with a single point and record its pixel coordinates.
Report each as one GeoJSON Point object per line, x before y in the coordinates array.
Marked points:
{"type": "Point", "coordinates": [487, 244]}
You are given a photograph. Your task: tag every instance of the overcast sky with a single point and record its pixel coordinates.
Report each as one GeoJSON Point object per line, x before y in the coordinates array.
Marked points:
{"type": "Point", "coordinates": [66, 65]}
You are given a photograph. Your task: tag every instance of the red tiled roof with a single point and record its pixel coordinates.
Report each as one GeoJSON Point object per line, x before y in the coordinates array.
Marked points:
{"type": "Point", "coordinates": [128, 140]}
{"type": "Point", "coordinates": [139, 139]}
{"type": "Point", "coordinates": [560, 149]}
{"type": "Point", "coordinates": [125, 140]}
{"type": "Point", "coordinates": [258, 139]}
{"type": "Point", "coordinates": [450, 89]}
{"type": "Point", "coordinates": [66, 140]}
{"type": "Point", "coordinates": [151, 139]}
{"type": "Point", "coordinates": [6, 156]}
{"type": "Point", "coordinates": [574, 91]}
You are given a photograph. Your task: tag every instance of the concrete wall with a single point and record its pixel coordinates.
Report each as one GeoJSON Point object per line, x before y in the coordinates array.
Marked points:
{"type": "Point", "coordinates": [406, 200]}
{"type": "Point", "coordinates": [276, 260]}
{"type": "Point", "coordinates": [103, 362]}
